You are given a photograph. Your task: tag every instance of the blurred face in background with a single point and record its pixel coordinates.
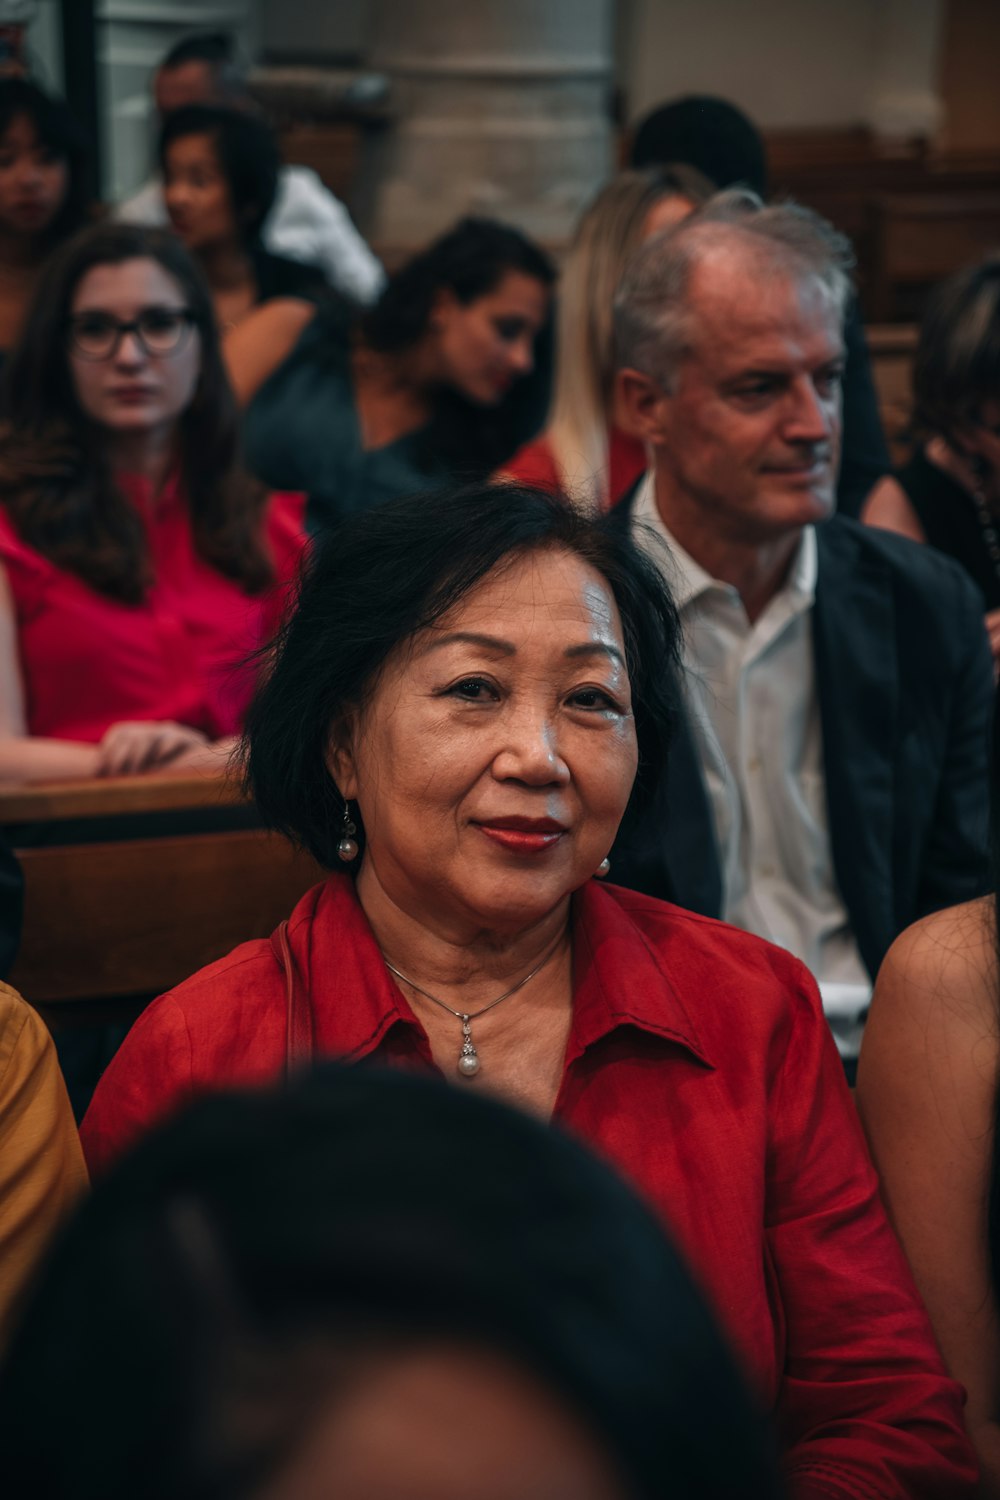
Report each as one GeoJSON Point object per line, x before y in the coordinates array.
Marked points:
{"type": "Point", "coordinates": [197, 194]}
{"type": "Point", "coordinates": [133, 389]}
{"type": "Point", "coordinates": [189, 83]}
{"type": "Point", "coordinates": [33, 180]}
{"type": "Point", "coordinates": [480, 348]}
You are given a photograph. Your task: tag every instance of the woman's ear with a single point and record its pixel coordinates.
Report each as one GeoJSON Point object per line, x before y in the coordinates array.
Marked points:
{"type": "Point", "coordinates": [442, 306]}
{"type": "Point", "coordinates": [339, 759]}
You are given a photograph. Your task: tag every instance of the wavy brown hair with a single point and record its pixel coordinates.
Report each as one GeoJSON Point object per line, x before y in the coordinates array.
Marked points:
{"type": "Point", "coordinates": [55, 478]}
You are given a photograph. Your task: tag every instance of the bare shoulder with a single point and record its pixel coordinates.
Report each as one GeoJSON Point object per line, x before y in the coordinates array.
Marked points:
{"type": "Point", "coordinates": [947, 962]}
{"type": "Point", "coordinates": [933, 1034]}
{"type": "Point", "coordinates": [888, 507]}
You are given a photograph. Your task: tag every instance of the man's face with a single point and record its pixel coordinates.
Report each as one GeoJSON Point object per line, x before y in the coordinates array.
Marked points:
{"type": "Point", "coordinates": [190, 83]}
{"type": "Point", "coordinates": [750, 435]}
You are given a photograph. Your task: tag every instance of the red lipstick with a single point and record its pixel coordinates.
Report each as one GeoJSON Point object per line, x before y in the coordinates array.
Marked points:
{"type": "Point", "coordinates": [523, 835]}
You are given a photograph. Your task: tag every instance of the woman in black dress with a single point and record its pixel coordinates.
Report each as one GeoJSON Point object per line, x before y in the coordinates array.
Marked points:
{"type": "Point", "coordinates": [948, 494]}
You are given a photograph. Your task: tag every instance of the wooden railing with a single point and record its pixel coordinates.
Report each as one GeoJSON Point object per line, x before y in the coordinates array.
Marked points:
{"type": "Point", "coordinates": [133, 884]}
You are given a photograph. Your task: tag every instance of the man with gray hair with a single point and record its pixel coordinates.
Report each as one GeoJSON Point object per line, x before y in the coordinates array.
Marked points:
{"type": "Point", "coordinates": [829, 785]}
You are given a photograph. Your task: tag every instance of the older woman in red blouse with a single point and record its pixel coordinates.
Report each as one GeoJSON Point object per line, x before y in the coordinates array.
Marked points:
{"type": "Point", "coordinates": [139, 566]}
{"type": "Point", "coordinates": [473, 688]}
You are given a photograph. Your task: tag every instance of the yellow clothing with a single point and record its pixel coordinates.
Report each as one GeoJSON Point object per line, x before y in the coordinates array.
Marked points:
{"type": "Point", "coordinates": [42, 1174]}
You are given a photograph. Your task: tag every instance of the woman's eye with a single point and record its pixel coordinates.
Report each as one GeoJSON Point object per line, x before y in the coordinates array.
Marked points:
{"type": "Point", "coordinates": [473, 689]}
{"type": "Point", "coordinates": [509, 329]}
{"type": "Point", "coordinates": [594, 698]}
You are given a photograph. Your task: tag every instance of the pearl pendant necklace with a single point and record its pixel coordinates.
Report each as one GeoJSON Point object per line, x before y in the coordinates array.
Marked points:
{"type": "Point", "coordinates": [468, 1057]}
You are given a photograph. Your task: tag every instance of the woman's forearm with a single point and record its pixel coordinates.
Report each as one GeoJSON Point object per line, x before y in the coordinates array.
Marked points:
{"type": "Point", "coordinates": [25, 759]}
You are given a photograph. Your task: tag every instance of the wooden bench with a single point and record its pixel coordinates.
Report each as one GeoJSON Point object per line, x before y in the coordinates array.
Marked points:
{"type": "Point", "coordinates": [133, 884]}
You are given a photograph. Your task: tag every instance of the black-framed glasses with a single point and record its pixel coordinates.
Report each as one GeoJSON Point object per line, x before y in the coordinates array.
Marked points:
{"type": "Point", "coordinates": [159, 330]}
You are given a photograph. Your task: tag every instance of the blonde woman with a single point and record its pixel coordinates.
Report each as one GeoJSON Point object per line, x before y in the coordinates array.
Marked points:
{"type": "Point", "coordinates": [583, 451]}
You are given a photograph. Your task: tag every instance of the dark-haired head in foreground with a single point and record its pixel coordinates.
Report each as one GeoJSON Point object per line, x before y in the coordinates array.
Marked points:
{"type": "Point", "coordinates": [271, 1276]}
{"type": "Point", "coordinates": [379, 580]}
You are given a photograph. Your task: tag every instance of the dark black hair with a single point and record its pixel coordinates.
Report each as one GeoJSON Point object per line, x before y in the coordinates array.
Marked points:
{"type": "Point", "coordinates": [957, 364]}
{"type": "Point", "coordinates": [174, 1343]}
{"type": "Point", "coordinates": [217, 48]}
{"type": "Point", "coordinates": [248, 154]}
{"type": "Point", "coordinates": [381, 576]}
{"type": "Point", "coordinates": [469, 261]}
{"type": "Point", "coordinates": [57, 130]}
{"type": "Point", "coordinates": [704, 132]}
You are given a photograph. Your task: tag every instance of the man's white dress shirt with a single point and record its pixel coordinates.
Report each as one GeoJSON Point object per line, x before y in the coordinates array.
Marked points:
{"type": "Point", "coordinates": [306, 222]}
{"type": "Point", "coordinates": [754, 711]}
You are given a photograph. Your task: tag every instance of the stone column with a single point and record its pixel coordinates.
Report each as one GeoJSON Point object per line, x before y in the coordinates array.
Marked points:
{"type": "Point", "coordinates": [501, 108]}
{"type": "Point", "coordinates": [906, 101]}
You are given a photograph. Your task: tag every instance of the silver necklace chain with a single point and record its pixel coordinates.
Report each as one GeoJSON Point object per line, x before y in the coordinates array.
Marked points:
{"type": "Point", "coordinates": [468, 1058]}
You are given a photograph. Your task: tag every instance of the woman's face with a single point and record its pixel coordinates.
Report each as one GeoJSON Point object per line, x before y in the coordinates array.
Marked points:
{"type": "Point", "coordinates": [131, 390]}
{"type": "Point", "coordinates": [495, 758]}
{"type": "Point", "coordinates": [481, 347]}
{"type": "Point", "coordinates": [33, 180]}
{"type": "Point", "coordinates": [197, 194]}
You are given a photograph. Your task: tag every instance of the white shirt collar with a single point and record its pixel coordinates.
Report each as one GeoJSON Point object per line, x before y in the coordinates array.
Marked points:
{"type": "Point", "coordinates": [687, 579]}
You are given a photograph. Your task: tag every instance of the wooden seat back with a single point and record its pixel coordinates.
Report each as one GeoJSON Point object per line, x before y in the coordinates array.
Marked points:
{"type": "Point", "coordinates": [114, 917]}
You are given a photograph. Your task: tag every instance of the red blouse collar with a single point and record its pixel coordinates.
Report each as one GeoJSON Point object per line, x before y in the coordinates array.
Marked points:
{"type": "Point", "coordinates": [618, 979]}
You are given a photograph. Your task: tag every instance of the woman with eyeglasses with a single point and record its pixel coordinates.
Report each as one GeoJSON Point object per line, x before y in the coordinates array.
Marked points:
{"type": "Point", "coordinates": [140, 566]}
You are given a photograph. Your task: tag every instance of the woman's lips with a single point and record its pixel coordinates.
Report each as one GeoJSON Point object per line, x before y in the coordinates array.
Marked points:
{"type": "Point", "coordinates": [132, 395]}
{"type": "Point", "coordinates": [524, 836]}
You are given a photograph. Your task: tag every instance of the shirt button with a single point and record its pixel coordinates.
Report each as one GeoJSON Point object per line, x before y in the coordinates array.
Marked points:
{"type": "Point", "coordinates": [754, 763]}
{"type": "Point", "coordinates": [766, 870]}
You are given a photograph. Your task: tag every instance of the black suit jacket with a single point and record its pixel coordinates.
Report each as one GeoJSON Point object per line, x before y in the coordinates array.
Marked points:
{"type": "Point", "coordinates": [905, 684]}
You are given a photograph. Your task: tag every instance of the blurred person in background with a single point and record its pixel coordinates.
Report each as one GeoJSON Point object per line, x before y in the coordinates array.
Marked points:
{"type": "Point", "coordinates": [422, 388]}
{"type": "Point", "coordinates": [721, 142]}
{"type": "Point", "coordinates": [139, 563]}
{"type": "Point", "coordinates": [220, 172]}
{"type": "Point", "coordinates": [948, 494]}
{"type": "Point", "coordinates": [583, 451]}
{"type": "Point", "coordinates": [308, 223]}
{"type": "Point", "coordinates": [41, 1164]}
{"type": "Point", "coordinates": [42, 193]}
{"type": "Point", "coordinates": [371, 1285]}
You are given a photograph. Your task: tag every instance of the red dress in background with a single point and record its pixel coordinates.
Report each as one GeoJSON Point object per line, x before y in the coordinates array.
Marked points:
{"type": "Point", "coordinates": [535, 464]}
{"type": "Point", "coordinates": [88, 661]}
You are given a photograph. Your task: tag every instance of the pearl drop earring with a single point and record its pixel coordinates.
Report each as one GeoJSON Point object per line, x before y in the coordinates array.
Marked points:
{"type": "Point", "coordinates": [347, 849]}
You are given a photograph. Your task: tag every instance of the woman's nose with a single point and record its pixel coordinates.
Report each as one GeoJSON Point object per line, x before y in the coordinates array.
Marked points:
{"type": "Point", "coordinates": [522, 356]}
{"type": "Point", "coordinates": [531, 752]}
{"type": "Point", "coordinates": [130, 351]}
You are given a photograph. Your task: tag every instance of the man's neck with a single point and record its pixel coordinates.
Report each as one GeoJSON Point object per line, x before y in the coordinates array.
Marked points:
{"type": "Point", "coordinates": [757, 570]}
